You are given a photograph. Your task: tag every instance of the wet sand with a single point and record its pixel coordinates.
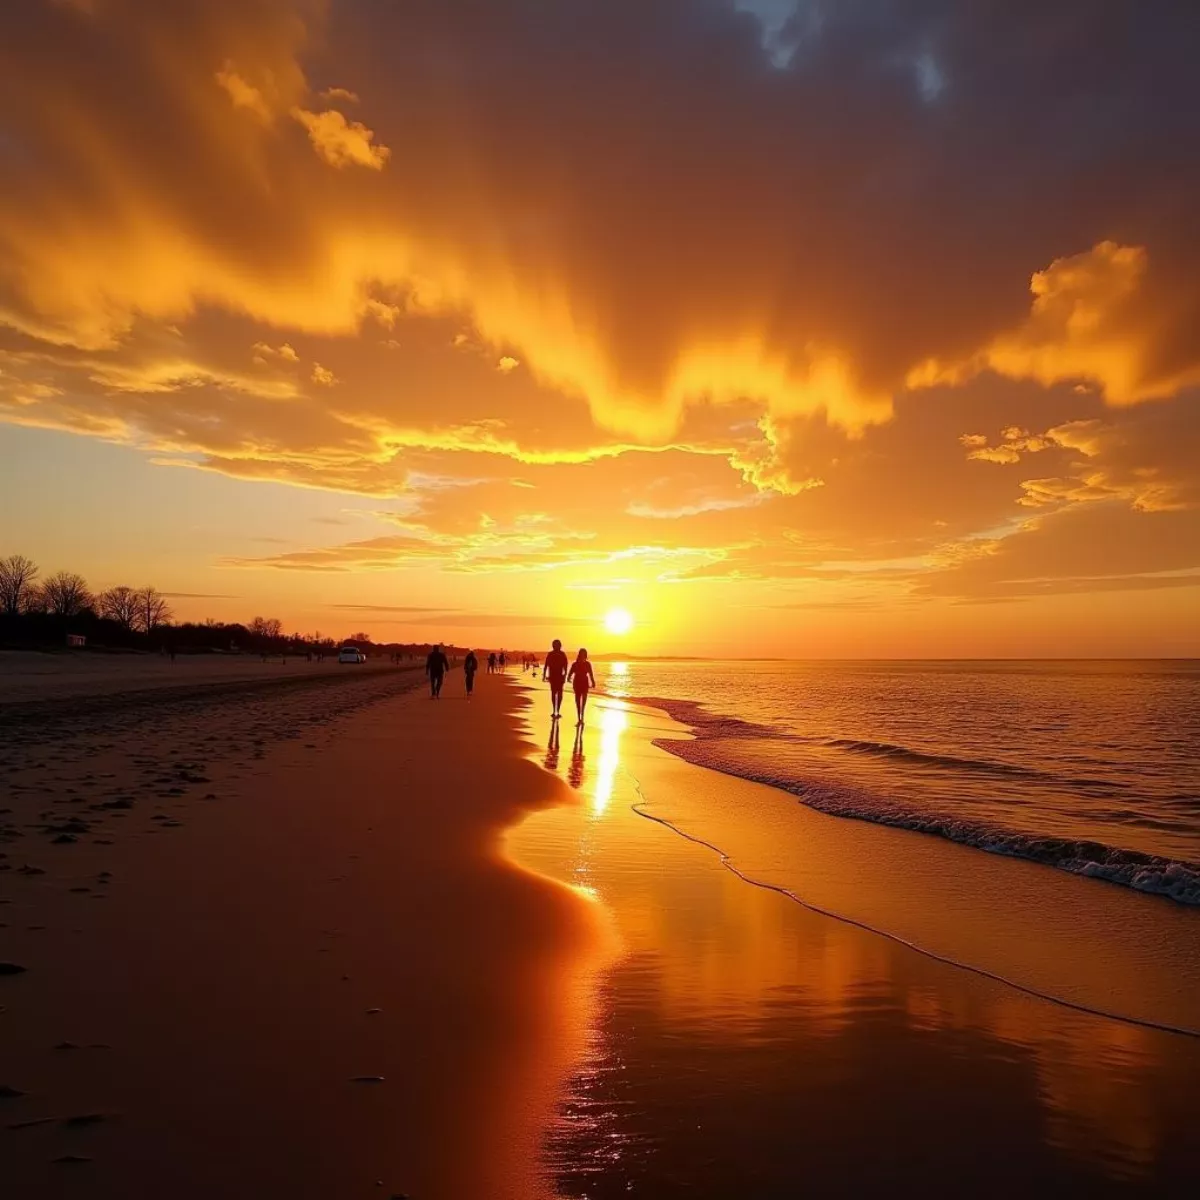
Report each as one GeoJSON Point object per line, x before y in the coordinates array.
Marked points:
{"type": "Point", "coordinates": [746, 1045]}
{"type": "Point", "coordinates": [285, 957]}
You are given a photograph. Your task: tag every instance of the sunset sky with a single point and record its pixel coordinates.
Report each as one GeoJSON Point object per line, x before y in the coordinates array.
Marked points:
{"type": "Point", "coordinates": [794, 327]}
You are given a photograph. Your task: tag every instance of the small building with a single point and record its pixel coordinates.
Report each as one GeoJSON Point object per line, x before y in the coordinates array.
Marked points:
{"type": "Point", "coordinates": [77, 640]}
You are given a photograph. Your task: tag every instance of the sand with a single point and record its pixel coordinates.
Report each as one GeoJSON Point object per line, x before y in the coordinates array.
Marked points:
{"type": "Point", "coordinates": [326, 938]}
{"type": "Point", "coordinates": [27, 677]}
{"type": "Point", "coordinates": [298, 965]}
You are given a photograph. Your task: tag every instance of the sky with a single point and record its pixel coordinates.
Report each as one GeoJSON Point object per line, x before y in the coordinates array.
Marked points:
{"type": "Point", "coordinates": [793, 327]}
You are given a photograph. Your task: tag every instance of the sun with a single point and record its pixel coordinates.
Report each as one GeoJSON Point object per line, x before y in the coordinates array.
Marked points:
{"type": "Point", "coordinates": [618, 620]}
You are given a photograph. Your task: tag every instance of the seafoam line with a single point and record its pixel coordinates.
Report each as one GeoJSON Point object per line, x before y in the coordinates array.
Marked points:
{"type": "Point", "coordinates": [788, 893]}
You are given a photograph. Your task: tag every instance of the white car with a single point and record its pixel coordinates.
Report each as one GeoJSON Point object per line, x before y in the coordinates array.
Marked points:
{"type": "Point", "coordinates": [351, 654]}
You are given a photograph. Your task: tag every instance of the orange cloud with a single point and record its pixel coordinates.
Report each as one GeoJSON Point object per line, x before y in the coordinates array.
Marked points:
{"type": "Point", "coordinates": [243, 94]}
{"type": "Point", "coordinates": [342, 143]}
{"type": "Point", "coordinates": [728, 292]}
{"type": "Point", "coordinates": [1088, 322]}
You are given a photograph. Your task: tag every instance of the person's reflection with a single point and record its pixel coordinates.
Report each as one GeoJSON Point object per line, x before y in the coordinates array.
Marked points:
{"type": "Point", "coordinates": [575, 771]}
{"type": "Point", "coordinates": [552, 748]}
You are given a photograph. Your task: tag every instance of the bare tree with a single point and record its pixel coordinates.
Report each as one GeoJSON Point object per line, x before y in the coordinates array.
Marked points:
{"type": "Point", "coordinates": [66, 594]}
{"type": "Point", "coordinates": [120, 604]}
{"type": "Point", "coordinates": [152, 609]}
{"type": "Point", "coordinates": [265, 627]}
{"type": "Point", "coordinates": [17, 583]}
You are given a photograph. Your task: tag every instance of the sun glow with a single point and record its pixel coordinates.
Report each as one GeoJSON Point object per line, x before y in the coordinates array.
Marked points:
{"type": "Point", "coordinates": [618, 620]}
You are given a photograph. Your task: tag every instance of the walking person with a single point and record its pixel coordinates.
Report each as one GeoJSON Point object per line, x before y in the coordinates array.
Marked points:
{"type": "Point", "coordinates": [470, 666]}
{"type": "Point", "coordinates": [555, 669]}
{"type": "Point", "coordinates": [492, 663]}
{"type": "Point", "coordinates": [435, 667]}
{"type": "Point", "coordinates": [583, 678]}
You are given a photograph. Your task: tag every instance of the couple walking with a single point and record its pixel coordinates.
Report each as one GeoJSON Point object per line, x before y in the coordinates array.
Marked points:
{"type": "Point", "coordinates": [559, 672]}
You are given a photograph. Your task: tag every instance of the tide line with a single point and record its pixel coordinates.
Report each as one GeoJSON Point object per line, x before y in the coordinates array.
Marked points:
{"type": "Point", "coordinates": [787, 893]}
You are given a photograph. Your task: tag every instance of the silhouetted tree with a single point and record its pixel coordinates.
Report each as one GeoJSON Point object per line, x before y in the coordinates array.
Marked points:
{"type": "Point", "coordinates": [18, 576]}
{"type": "Point", "coordinates": [152, 609]}
{"type": "Point", "coordinates": [122, 605]}
{"type": "Point", "coordinates": [65, 594]}
{"type": "Point", "coordinates": [268, 628]}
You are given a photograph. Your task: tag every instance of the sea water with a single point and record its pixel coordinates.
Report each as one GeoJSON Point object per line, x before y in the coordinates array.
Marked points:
{"type": "Point", "coordinates": [1091, 767]}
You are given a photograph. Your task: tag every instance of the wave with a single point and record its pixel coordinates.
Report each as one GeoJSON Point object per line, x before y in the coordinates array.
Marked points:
{"type": "Point", "coordinates": [712, 725]}
{"type": "Point", "coordinates": [986, 766]}
{"type": "Point", "coordinates": [1176, 879]}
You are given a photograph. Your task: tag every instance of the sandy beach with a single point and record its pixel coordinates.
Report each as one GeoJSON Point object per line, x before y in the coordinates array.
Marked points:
{"type": "Point", "coordinates": [325, 938]}
{"type": "Point", "coordinates": [285, 956]}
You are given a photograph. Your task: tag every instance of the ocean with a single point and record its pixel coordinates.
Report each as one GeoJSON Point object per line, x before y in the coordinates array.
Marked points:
{"type": "Point", "coordinates": [1091, 767]}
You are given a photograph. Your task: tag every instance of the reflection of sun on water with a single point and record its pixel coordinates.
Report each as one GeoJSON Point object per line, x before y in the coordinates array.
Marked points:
{"type": "Point", "coordinates": [617, 683]}
{"type": "Point", "coordinates": [612, 725]}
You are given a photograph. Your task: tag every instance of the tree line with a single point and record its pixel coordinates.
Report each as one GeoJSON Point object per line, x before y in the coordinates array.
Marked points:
{"type": "Point", "coordinates": [65, 595]}
{"type": "Point", "coordinates": [38, 612]}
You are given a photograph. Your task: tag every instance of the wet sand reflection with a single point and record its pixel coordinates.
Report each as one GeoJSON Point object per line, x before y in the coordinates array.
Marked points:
{"type": "Point", "coordinates": [744, 1045]}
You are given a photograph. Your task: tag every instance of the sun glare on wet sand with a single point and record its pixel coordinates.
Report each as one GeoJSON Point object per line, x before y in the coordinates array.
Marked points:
{"type": "Point", "coordinates": [618, 620]}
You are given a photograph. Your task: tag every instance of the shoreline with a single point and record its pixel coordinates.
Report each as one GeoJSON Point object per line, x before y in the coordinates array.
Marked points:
{"type": "Point", "coordinates": [353, 942]}
{"type": "Point", "coordinates": [1151, 874]}
{"type": "Point", "coordinates": [1061, 936]}
{"type": "Point", "coordinates": [715, 971]}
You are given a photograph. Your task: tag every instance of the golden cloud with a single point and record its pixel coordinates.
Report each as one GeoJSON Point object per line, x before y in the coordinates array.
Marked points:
{"type": "Point", "coordinates": [342, 143]}
{"type": "Point", "coordinates": [1086, 323]}
{"type": "Point", "coordinates": [758, 270]}
{"type": "Point", "coordinates": [243, 94]}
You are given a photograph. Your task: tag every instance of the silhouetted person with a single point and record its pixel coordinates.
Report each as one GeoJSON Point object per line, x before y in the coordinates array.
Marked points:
{"type": "Point", "coordinates": [503, 660]}
{"type": "Point", "coordinates": [583, 678]}
{"type": "Point", "coordinates": [470, 666]}
{"type": "Point", "coordinates": [555, 669]}
{"type": "Point", "coordinates": [492, 663]}
{"type": "Point", "coordinates": [435, 667]}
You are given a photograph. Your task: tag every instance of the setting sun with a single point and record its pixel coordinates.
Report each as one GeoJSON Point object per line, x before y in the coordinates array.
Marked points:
{"type": "Point", "coordinates": [618, 620]}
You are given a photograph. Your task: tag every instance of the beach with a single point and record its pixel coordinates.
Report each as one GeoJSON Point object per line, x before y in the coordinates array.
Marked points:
{"type": "Point", "coordinates": [325, 938]}
{"type": "Point", "coordinates": [300, 892]}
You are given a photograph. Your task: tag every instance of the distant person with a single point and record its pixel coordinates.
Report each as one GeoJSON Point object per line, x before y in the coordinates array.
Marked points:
{"type": "Point", "coordinates": [435, 667]}
{"type": "Point", "coordinates": [492, 663]}
{"type": "Point", "coordinates": [582, 677]}
{"type": "Point", "coordinates": [503, 660]}
{"type": "Point", "coordinates": [554, 669]}
{"type": "Point", "coordinates": [470, 666]}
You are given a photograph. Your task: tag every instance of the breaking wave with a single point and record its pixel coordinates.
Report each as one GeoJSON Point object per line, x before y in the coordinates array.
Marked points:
{"type": "Point", "coordinates": [716, 747]}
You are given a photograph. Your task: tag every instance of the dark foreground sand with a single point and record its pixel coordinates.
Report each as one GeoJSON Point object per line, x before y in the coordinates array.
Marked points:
{"type": "Point", "coordinates": [281, 955]}
{"type": "Point", "coordinates": [277, 944]}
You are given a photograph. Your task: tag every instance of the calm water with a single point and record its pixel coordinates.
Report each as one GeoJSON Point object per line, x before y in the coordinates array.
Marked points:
{"type": "Point", "coordinates": [1090, 767]}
